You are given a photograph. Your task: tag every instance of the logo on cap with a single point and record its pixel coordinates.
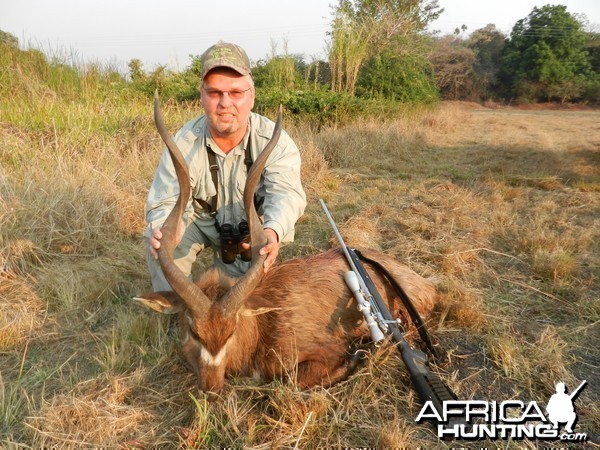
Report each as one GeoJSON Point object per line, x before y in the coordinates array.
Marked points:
{"type": "Point", "coordinates": [223, 54]}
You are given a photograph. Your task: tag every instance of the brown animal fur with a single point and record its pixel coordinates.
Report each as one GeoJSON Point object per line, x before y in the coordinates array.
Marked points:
{"type": "Point", "coordinates": [300, 321]}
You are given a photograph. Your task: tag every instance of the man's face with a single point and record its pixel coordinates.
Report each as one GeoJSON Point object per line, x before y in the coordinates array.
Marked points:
{"type": "Point", "coordinates": [227, 98]}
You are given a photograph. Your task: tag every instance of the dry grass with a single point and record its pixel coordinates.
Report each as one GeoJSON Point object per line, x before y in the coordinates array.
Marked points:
{"type": "Point", "coordinates": [500, 206]}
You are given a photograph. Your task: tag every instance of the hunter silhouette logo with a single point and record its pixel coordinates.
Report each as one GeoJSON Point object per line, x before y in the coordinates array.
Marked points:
{"type": "Point", "coordinates": [510, 419]}
{"type": "Point", "coordinates": [560, 406]}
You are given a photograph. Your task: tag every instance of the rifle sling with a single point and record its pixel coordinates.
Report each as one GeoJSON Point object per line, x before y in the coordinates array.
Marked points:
{"type": "Point", "coordinates": [429, 386]}
{"type": "Point", "coordinates": [412, 311]}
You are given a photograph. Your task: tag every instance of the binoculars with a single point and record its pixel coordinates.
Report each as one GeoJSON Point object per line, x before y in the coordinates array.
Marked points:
{"type": "Point", "coordinates": [231, 242]}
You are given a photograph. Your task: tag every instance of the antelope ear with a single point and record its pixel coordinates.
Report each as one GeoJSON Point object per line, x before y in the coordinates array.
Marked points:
{"type": "Point", "coordinates": [162, 302]}
{"type": "Point", "coordinates": [255, 306]}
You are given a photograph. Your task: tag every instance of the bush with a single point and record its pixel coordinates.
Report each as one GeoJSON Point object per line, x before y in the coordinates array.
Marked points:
{"type": "Point", "coordinates": [406, 78]}
{"type": "Point", "coordinates": [323, 107]}
{"type": "Point", "coordinates": [181, 86]}
{"type": "Point", "coordinates": [319, 107]}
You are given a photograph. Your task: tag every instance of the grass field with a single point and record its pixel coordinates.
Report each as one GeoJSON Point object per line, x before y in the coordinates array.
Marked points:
{"type": "Point", "coordinates": [500, 205]}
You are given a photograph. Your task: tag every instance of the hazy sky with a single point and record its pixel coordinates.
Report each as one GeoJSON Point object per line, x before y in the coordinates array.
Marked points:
{"type": "Point", "coordinates": [168, 31]}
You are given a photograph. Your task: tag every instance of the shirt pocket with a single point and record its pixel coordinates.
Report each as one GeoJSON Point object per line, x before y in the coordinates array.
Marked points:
{"type": "Point", "coordinates": [203, 188]}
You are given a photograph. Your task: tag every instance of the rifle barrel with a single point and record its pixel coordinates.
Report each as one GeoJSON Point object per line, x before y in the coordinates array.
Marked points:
{"type": "Point", "coordinates": [353, 267]}
{"type": "Point", "coordinates": [576, 391]}
{"type": "Point", "coordinates": [338, 235]}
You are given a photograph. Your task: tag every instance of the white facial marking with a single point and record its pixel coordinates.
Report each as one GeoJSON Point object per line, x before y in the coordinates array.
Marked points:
{"type": "Point", "coordinates": [206, 357]}
{"type": "Point", "coordinates": [211, 360]}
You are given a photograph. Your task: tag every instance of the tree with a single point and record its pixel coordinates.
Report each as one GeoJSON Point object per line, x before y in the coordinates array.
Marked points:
{"type": "Point", "coordinates": [280, 71]}
{"type": "Point", "coordinates": [453, 66]}
{"type": "Point", "coordinates": [349, 47]}
{"type": "Point", "coordinates": [545, 57]}
{"type": "Point", "coordinates": [487, 44]}
{"type": "Point", "coordinates": [593, 49]}
{"type": "Point", "coordinates": [364, 29]}
{"type": "Point", "coordinates": [406, 78]}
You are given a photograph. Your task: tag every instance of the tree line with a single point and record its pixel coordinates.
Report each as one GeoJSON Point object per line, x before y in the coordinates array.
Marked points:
{"type": "Point", "coordinates": [380, 54]}
{"type": "Point", "coordinates": [379, 48]}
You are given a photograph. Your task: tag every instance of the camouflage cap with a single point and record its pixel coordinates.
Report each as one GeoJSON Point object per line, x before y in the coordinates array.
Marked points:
{"type": "Point", "coordinates": [223, 54]}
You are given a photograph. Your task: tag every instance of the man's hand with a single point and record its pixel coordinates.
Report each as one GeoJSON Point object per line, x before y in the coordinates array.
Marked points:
{"type": "Point", "coordinates": [154, 242]}
{"type": "Point", "coordinates": [271, 248]}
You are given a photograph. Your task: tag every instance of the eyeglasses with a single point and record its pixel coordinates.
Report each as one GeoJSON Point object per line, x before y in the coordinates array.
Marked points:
{"type": "Point", "coordinates": [235, 94]}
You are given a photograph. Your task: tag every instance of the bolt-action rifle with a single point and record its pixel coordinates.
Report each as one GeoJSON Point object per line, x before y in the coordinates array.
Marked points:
{"type": "Point", "coordinates": [428, 385]}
